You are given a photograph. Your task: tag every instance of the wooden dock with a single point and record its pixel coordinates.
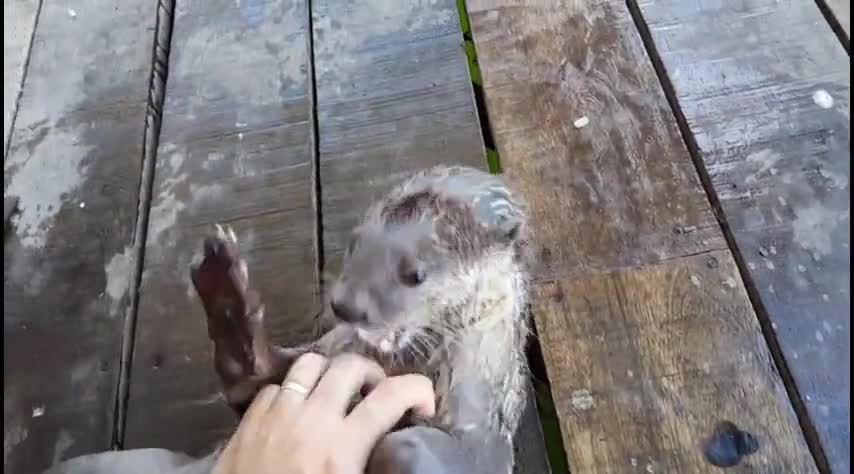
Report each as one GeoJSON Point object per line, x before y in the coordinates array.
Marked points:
{"type": "Point", "coordinates": [686, 164]}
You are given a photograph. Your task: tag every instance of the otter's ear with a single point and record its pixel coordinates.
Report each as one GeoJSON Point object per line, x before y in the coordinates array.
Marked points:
{"type": "Point", "coordinates": [508, 230]}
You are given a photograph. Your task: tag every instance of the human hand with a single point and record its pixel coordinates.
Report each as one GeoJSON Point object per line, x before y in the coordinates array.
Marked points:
{"type": "Point", "coordinates": [302, 426]}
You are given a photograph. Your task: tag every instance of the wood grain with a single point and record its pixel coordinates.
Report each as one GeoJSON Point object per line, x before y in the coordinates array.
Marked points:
{"type": "Point", "coordinates": [765, 90]}
{"type": "Point", "coordinates": [74, 161]}
{"type": "Point", "coordinates": [645, 362]}
{"type": "Point", "coordinates": [19, 21]}
{"type": "Point", "coordinates": [235, 149]}
{"type": "Point", "coordinates": [620, 193]}
{"type": "Point", "coordinates": [394, 96]}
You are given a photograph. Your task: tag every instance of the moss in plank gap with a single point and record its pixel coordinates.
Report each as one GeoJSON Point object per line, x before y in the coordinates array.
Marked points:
{"type": "Point", "coordinates": [492, 158]}
{"type": "Point", "coordinates": [545, 405]}
{"type": "Point", "coordinates": [464, 18]}
{"type": "Point", "coordinates": [551, 428]}
{"type": "Point", "coordinates": [492, 161]}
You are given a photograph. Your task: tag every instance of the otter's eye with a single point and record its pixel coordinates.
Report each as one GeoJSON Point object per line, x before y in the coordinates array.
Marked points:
{"type": "Point", "coordinates": [414, 277]}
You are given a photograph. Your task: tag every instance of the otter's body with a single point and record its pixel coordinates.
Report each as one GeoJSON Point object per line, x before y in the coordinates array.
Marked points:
{"type": "Point", "coordinates": [464, 324]}
{"type": "Point", "coordinates": [433, 282]}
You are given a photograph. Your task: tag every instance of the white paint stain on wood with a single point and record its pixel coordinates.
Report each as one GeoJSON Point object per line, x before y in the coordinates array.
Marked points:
{"type": "Point", "coordinates": [44, 183]}
{"type": "Point", "coordinates": [118, 272]}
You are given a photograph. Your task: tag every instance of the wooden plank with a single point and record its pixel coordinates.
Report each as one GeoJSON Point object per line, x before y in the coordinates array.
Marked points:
{"type": "Point", "coordinates": [19, 21]}
{"type": "Point", "coordinates": [236, 148]}
{"type": "Point", "coordinates": [617, 191]}
{"type": "Point", "coordinates": [645, 362]}
{"type": "Point", "coordinates": [626, 190]}
{"type": "Point", "coordinates": [393, 96]}
{"type": "Point", "coordinates": [771, 122]}
{"type": "Point", "coordinates": [74, 161]}
{"type": "Point", "coordinates": [841, 12]}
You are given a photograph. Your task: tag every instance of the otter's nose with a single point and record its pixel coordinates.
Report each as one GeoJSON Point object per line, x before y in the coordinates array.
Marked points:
{"type": "Point", "coordinates": [348, 313]}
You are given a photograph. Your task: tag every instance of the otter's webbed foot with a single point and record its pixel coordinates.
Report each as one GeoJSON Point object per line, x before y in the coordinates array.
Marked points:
{"type": "Point", "coordinates": [427, 450]}
{"type": "Point", "coordinates": [244, 358]}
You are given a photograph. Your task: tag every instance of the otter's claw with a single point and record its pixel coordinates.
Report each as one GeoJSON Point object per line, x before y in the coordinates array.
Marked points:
{"type": "Point", "coordinates": [226, 233]}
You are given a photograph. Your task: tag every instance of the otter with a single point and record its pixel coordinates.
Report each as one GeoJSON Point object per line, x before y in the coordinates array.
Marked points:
{"type": "Point", "coordinates": [433, 281]}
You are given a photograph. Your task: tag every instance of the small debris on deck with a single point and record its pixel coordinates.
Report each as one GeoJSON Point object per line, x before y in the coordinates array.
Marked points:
{"type": "Point", "coordinates": [38, 411]}
{"type": "Point", "coordinates": [72, 13]}
{"type": "Point", "coordinates": [728, 445]}
{"type": "Point", "coordinates": [822, 99]}
{"type": "Point", "coordinates": [581, 122]}
{"type": "Point", "coordinates": [582, 399]}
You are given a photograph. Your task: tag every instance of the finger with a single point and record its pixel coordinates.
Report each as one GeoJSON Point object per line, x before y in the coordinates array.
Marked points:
{"type": "Point", "coordinates": [385, 405]}
{"type": "Point", "coordinates": [346, 376]}
{"type": "Point", "coordinates": [255, 413]}
{"type": "Point", "coordinates": [262, 402]}
{"type": "Point", "coordinates": [301, 379]}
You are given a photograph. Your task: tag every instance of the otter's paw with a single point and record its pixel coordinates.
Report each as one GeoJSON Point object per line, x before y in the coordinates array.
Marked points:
{"type": "Point", "coordinates": [244, 358]}
{"type": "Point", "coordinates": [417, 450]}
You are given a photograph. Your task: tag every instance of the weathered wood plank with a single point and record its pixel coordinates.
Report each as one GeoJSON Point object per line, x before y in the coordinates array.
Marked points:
{"type": "Point", "coordinates": [617, 192]}
{"type": "Point", "coordinates": [765, 89]}
{"type": "Point", "coordinates": [393, 96]}
{"type": "Point", "coordinates": [19, 21]}
{"type": "Point", "coordinates": [651, 359]}
{"type": "Point", "coordinates": [841, 11]}
{"type": "Point", "coordinates": [74, 161]}
{"type": "Point", "coordinates": [235, 149]}
{"type": "Point", "coordinates": [626, 190]}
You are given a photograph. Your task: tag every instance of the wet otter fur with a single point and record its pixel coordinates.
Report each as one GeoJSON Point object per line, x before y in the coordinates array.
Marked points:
{"type": "Point", "coordinates": [433, 282]}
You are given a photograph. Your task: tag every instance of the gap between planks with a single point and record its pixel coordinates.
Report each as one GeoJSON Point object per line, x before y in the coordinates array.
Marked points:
{"type": "Point", "coordinates": [22, 80]}
{"type": "Point", "coordinates": [835, 24]}
{"type": "Point", "coordinates": [796, 399]}
{"type": "Point", "coordinates": [317, 196]}
{"type": "Point", "coordinates": [151, 138]}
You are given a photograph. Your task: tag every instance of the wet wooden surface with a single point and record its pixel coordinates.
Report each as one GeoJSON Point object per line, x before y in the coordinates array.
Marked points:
{"type": "Point", "coordinates": [646, 327]}
{"type": "Point", "coordinates": [771, 121]}
{"type": "Point", "coordinates": [19, 20]}
{"type": "Point", "coordinates": [74, 162]}
{"type": "Point", "coordinates": [393, 96]}
{"type": "Point", "coordinates": [670, 345]}
{"type": "Point", "coordinates": [234, 155]}
{"type": "Point", "coordinates": [617, 191]}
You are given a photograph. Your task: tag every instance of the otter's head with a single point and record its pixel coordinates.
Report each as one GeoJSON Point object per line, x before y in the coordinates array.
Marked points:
{"type": "Point", "coordinates": [407, 268]}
